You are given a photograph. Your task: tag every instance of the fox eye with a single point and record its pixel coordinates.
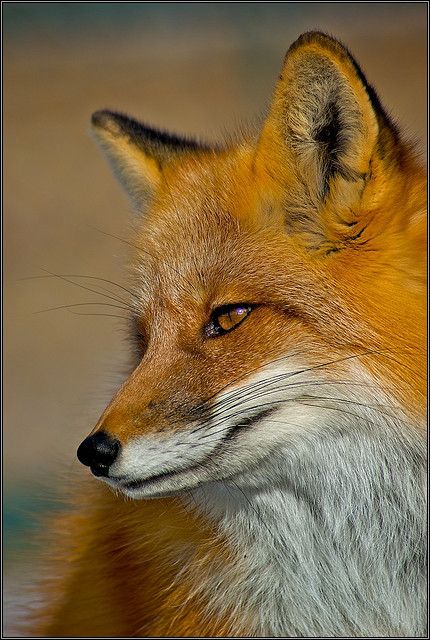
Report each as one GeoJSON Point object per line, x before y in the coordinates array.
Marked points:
{"type": "Point", "coordinates": [226, 318]}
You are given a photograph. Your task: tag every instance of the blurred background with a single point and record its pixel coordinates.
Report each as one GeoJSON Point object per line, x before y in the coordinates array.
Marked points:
{"type": "Point", "coordinates": [193, 68]}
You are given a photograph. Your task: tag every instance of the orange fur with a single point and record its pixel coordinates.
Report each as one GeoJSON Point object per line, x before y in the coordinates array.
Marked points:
{"type": "Point", "coordinates": [118, 581]}
{"type": "Point", "coordinates": [333, 263]}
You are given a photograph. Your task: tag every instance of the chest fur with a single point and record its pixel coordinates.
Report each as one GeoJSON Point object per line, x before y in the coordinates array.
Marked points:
{"type": "Point", "coordinates": [337, 548]}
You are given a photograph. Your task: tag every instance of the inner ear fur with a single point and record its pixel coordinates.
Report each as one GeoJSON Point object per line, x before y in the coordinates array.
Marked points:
{"type": "Point", "coordinates": [324, 130]}
{"type": "Point", "coordinates": [138, 153]}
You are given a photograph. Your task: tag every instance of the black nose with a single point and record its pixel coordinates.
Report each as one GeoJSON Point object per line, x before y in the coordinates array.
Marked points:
{"type": "Point", "coordinates": [98, 451]}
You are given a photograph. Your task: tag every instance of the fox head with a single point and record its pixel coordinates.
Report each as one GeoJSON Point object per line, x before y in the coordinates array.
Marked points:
{"type": "Point", "coordinates": [278, 284]}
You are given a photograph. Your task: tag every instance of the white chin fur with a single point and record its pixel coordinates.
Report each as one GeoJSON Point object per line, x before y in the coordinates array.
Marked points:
{"type": "Point", "coordinates": [262, 415]}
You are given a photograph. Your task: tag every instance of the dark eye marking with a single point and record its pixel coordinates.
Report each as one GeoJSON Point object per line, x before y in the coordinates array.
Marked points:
{"type": "Point", "coordinates": [226, 318]}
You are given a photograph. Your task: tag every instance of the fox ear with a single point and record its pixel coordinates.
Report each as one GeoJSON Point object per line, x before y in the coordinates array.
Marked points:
{"type": "Point", "coordinates": [324, 128]}
{"type": "Point", "coordinates": [137, 153]}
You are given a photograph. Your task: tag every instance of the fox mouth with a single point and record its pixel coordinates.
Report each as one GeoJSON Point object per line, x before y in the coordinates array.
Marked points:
{"type": "Point", "coordinates": [129, 486]}
{"type": "Point", "coordinates": [138, 484]}
{"type": "Point", "coordinates": [149, 485]}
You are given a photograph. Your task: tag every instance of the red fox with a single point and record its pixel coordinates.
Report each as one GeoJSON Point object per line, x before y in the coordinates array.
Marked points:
{"type": "Point", "coordinates": [262, 469]}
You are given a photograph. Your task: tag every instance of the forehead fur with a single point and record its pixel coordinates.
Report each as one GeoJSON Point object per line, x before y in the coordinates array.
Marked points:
{"type": "Point", "coordinates": [209, 222]}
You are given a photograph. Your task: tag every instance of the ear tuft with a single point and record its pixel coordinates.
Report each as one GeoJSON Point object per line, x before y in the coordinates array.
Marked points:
{"type": "Point", "coordinates": [342, 53]}
{"type": "Point", "coordinates": [326, 111]}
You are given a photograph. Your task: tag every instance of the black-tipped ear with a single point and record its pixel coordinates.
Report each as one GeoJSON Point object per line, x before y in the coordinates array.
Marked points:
{"type": "Point", "coordinates": [138, 153]}
{"type": "Point", "coordinates": [324, 127]}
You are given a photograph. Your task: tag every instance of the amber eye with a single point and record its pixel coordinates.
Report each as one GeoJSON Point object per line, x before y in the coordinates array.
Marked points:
{"type": "Point", "coordinates": [226, 318]}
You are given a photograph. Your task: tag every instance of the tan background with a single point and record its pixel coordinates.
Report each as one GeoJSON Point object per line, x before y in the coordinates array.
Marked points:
{"type": "Point", "coordinates": [192, 68]}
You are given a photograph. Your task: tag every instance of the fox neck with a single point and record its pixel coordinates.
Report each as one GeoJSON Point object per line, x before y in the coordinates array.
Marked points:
{"type": "Point", "coordinates": [331, 548]}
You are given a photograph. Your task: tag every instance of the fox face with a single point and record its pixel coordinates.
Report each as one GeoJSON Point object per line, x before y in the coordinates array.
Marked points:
{"type": "Point", "coordinates": [277, 288]}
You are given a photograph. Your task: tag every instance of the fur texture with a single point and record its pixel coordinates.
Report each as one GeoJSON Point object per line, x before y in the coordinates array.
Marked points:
{"type": "Point", "coordinates": [284, 457]}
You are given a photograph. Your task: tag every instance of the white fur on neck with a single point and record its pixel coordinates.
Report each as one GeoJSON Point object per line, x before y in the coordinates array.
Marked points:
{"type": "Point", "coordinates": [332, 544]}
